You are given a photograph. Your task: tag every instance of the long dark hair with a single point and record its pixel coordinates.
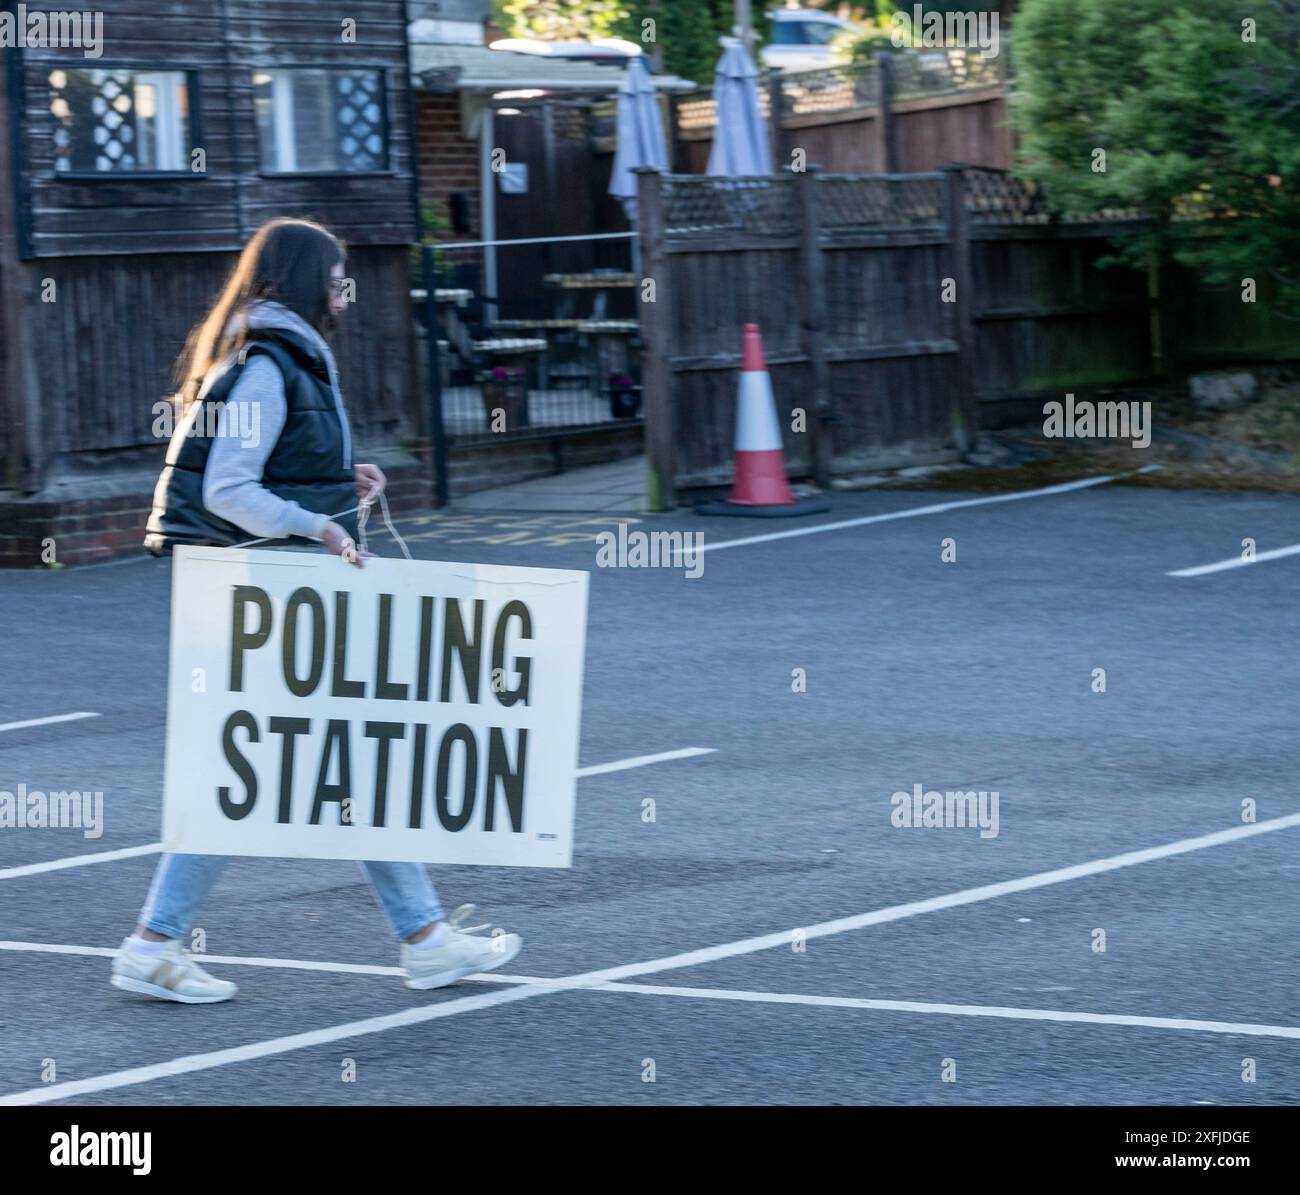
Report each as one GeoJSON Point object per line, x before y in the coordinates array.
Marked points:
{"type": "Point", "coordinates": [288, 261]}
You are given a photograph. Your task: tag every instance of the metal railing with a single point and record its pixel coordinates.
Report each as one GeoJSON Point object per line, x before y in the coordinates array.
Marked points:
{"type": "Point", "coordinates": [527, 337]}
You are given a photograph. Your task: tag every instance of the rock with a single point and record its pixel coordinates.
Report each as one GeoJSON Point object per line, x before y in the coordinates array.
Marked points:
{"type": "Point", "coordinates": [1222, 391]}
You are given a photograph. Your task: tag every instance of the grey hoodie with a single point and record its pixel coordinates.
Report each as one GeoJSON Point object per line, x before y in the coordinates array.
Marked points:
{"type": "Point", "coordinates": [248, 428]}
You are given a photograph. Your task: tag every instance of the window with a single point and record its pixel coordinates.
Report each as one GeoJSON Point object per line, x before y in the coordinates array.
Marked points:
{"type": "Point", "coordinates": [788, 33]}
{"type": "Point", "coordinates": [821, 33]}
{"type": "Point", "coordinates": [317, 120]}
{"type": "Point", "coordinates": [803, 33]}
{"type": "Point", "coordinates": [120, 120]}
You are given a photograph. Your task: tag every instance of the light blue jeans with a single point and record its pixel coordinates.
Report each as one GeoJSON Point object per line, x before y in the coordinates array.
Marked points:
{"type": "Point", "coordinates": [181, 883]}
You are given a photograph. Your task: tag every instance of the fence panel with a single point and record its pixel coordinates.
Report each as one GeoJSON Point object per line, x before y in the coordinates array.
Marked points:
{"type": "Point", "coordinates": [915, 110]}
{"type": "Point", "coordinates": [737, 251]}
{"type": "Point", "coordinates": [899, 312]}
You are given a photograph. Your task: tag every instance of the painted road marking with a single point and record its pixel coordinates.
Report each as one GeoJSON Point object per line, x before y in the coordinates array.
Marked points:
{"type": "Point", "coordinates": [151, 848]}
{"type": "Point", "coordinates": [254, 1051]}
{"type": "Point", "coordinates": [1246, 1028]}
{"type": "Point", "coordinates": [243, 960]}
{"type": "Point", "coordinates": [521, 530]}
{"type": "Point", "coordinates": [126, 852]}
{"type": "Point", "coordinates": [960, 1010]}
{"type": "Point", "coordinates": [916, 512]}
{"type": "Point", "coordinates": [45, 721]}
{"type": "Point", "coordinates": [640, 761]}
{"type": "Point", "coordinates": [1220, 566]}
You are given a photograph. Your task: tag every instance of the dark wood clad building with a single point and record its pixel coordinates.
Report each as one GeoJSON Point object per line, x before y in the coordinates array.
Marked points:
{"type": "Point", "coordinates": [135, 160]}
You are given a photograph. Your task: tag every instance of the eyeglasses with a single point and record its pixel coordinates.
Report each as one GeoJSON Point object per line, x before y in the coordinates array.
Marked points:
{"type": "Point", "coordinates": [340, 285]}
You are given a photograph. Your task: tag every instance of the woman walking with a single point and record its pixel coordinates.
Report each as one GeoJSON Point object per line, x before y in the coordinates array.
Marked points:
{"type": "Point", "coordinates": [263, 451]}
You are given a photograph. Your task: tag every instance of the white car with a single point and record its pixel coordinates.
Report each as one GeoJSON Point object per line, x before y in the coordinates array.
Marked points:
{"type": "Point", "coordinates": [801, 39]}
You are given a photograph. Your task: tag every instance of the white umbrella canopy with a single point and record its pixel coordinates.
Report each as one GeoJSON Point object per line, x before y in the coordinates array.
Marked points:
{"type": "Point", "coordinates": [740, 144]}
{"type": "Point", "coordinates": [640, 134]}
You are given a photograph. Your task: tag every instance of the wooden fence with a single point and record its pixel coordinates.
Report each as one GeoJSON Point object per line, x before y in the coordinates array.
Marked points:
{"type": "Point", "coordinates": [906, 112]}
{"type": "Point", "coordinates": [899, 314]}
{"type": "Point", "coordinates": [105, 340]}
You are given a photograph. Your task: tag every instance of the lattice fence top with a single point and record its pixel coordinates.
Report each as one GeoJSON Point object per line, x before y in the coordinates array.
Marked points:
{"type": "Point", "coordinates": [699, 207]}
{"type": "Point", "coordinates": [998, 197]}
{"type": "Point", "coordinates": [700, 111]}
{"type": "Point", "coordinates": [829, 90]}
{"type": "Point", "coordinates": [916, 73]}
{"type": "Point", "coordinates": [941, 70]}
{"type": "Point", "coordinates": [848, 203]}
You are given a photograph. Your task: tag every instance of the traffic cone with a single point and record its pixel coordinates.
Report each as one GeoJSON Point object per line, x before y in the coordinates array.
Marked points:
{"type": "Point", "coordinates": [760, 487]}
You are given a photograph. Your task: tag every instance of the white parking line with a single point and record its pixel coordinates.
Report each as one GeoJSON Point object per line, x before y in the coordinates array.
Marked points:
{"type": "Point", "coordinates": [46, 721]}
{"type": "Point", "coordinates": [1220, 566]}
{"type": "Point", "coordinates": [126, 852]}
{"type": "Point", "coordinates": [916, 512]}
{"type": "Point", "coordinates": [1246, 1028]}
{"type": "Point", "coordinates": [246, 960]}
{"type": "Point", "coordinates": [960, 1010]}
{"type": "Point", "coordinates": [640, 761]}
{"type": "Point", "coordinates": [591, 979]}
{"type": "Point", "coordinates": [151, 848]}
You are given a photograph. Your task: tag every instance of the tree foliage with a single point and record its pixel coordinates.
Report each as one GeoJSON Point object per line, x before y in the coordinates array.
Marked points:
{"type": "Point", "coordinates": [560, 20]}
{"type": "Point", "coordinates": [1195, 105]}
{"type": "Point", "coordinates": [686, 32]}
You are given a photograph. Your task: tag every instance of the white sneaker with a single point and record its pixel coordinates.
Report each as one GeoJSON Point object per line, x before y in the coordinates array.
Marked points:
{"type": "Point", "coordinates": [172, 974]}
{"type": "Point", "coordinates": [460, 955]}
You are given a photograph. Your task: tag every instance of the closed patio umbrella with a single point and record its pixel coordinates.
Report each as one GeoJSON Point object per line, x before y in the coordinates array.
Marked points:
{"type": "Point", "coordinates": [740, 144]}
{"type": "Point", "coordinates": [640, 134]}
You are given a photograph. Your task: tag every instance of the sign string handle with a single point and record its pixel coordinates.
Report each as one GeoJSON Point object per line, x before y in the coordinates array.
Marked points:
{"type": "Point", "coordinates": [363, 517]}
{"type": "Point", "coordinates": [362, 511]}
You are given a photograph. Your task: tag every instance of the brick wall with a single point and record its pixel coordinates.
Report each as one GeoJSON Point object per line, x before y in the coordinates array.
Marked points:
{"type": "Point", "coordinates": [110, 523]}
{"type": "Point", "coordinates": [448, 160]}
{"type": "Point", "coordinates": [491, 465]}
{"type": "Point", "coordinates": [88, 530]}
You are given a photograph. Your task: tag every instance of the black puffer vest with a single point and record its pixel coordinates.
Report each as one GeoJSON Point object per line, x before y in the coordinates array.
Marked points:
{"type": "Point", "coordinates": [307, 464]}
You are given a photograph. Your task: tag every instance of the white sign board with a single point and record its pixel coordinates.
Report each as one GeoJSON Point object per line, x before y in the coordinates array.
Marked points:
{"type": "Point", "coordinates": [407, 710]}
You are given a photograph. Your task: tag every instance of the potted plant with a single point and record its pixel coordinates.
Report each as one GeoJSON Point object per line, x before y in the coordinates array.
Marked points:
{"type": "Point", "coordinates": [505, 388]}
{"type": "Point", "coordinates": [624, 396]}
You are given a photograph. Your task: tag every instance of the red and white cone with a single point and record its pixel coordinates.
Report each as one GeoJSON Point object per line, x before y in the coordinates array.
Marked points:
{"type": "Point", "coordinates": [760, 486]}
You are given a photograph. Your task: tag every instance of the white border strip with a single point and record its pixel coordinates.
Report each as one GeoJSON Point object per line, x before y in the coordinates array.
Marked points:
{"type": "Point", "coordinates": [1221, 566]}
{"type": "Point", "coordinates": [253, 1051]}
{"type": "Point", "coordinates": [918, 511]}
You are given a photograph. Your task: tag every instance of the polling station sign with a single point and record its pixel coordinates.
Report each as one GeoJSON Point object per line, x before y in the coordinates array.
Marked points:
{"type": "Point", "coordinates": [408, 710]}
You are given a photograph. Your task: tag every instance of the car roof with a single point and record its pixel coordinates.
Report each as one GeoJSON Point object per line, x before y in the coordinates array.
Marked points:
{"type": "Point", "coordinates": [814, 15]}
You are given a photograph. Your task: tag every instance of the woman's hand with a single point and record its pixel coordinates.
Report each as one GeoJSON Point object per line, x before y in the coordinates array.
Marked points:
{"type": "Point", "coordinates": [369, 480]}
{"type": "Point", "coordinates": [339, 543]}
